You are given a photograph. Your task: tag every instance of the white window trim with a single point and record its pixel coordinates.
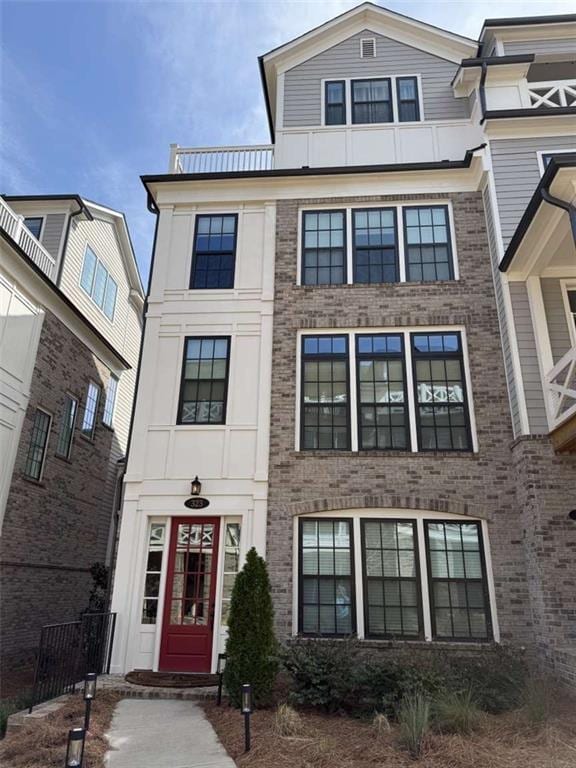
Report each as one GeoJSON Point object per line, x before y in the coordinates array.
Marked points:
{"type": "Point", "coordinates": [95, 422]}
{"type": "Point", "coordinates": [565, 286]}
{"type": "Point", "coordinates": [108, 274]}
{"type": "Point", "coordinates": [42, 225]}
{"type": "Point", "coordinates": [356, 515]}
{"type": "Point", "coordinates": [348, 99]}
{"type": "Point", "coordinates": [405, 331]}
{"type": "Point", "coordinates": [113, 413]}
{"type": "Point", "coordinates": [348, 209]}
{"type": "Point", "coordinates": [541, 152]}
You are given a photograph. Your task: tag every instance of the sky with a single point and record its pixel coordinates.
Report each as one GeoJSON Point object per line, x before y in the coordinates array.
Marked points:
{"type": "Point", "coordinates": [92, 92]}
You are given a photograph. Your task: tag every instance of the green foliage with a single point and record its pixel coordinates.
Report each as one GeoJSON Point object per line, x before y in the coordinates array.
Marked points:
{"type": "Point", "coordinates": [9, 706]}
{"type": "Point", "coordinates": [414, 722]}
{"type": "Point", "coordinates": [456, 712]}
{"type": "Point", "coordinates": [251, 647]}
{"type": "Point", "coordinates": [99, 592]}
{"type": "Point", "coordinates": [330, 675]}
{"type": "Point", "coordinates": [321, 673]}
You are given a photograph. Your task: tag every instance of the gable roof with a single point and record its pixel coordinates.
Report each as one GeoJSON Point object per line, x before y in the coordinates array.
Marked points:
{"type": "Point", "coordinates": [397, 26]}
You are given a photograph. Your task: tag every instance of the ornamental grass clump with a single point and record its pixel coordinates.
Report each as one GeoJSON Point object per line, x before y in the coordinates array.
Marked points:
{"type": "Point", "coordinates": [287, 722]}
{"type": "Point", "coordinates": [414, 722]}
{"type": "Point", "coordinates": [536, 700]}
{"type": "Point", "coordinates": [456, 712]}
{"type": "Point", "coordinates": [251, 648]}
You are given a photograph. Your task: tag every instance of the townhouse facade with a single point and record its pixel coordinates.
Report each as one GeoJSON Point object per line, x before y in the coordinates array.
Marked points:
{"type": "Point", "coordinates": [72, 305]}
{"type": "Point", "coordinates": [355, 359]}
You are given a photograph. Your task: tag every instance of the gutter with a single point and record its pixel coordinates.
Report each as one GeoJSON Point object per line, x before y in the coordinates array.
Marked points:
{"type": "Point", "coordinates": [35, 198]}
{"type": "Point", "coordinates": [503, 114]}
{"type": "Point", "coordinates": [542, 193]}
{"type": "Point", "coordinates": [345, 170]}
{"type": "Point", "coordinates": [523, 21]}
{"type": "Point", "coordinates": [482, 92]}
{"type": "Point", "coordinates": [64, 298]}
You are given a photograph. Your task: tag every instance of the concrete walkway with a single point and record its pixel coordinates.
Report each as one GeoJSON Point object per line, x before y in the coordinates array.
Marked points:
{"type": "Point", "coordinates": [163, 734]}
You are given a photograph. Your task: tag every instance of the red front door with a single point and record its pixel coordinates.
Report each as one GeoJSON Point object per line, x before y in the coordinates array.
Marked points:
{"type": "Point", "coordinates": [190, 594]}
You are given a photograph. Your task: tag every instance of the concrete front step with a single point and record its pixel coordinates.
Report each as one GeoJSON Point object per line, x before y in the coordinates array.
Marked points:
{"type": "Point", "coordinates": [130, 690]}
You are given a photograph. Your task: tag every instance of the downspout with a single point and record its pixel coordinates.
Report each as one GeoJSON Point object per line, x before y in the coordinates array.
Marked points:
{"type": "Point", "coordinates": [482, 91]}
{"type": "Point", "coordinates": [65, 244]}
{"type": "Point", "coordinates": [555, 201]}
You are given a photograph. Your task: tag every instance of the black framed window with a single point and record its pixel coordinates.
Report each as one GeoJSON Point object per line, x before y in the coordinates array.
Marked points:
{"type": "Point", "coordinates": [323, 248]}
{"type": "Point", "coordinates": [372, 101]}
{"type": "Point", "coordinates": [440, 391]}
{"type": "Point", "coordinates": [90, 410]}
{"type": "Point", "coordinates": [325, 417]}
{"type": "Point", "coordinates": [66, 434]}
{"type": "Point", "coordinates": [374, 243]}
{"type": "Point", "coordinates": [34, 225]}
{"type": "Point", "coordinates": [391, 578]}
{"type": "Point", "coordinates": [214, 254]}
{"type": "Point", "coordinates": [383, 421]}
{"type": "Point", "coordinates": [38, 444]}
{"type": "Point", "coordinates": [427, 243]}
{"type": "Point", "coordinates": [407, 97]}
{"type": "Point", "coordinates": [335, 102]}
{"type": "Point", "coordinates": [204, 387]}
{"type": "Point", "coordinates": [326, 578]}
{"type": "Point", "coordinates": [458, 589]}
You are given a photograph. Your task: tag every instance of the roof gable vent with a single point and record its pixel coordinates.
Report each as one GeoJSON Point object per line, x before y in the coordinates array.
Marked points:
{"type": "Point", "coordinates": [368, 48]}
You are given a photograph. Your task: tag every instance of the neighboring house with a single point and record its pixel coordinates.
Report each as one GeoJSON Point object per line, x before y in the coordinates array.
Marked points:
{"type": "Point", "coordinates": [70, 330]}
{"type": "Point", "coordinates": [333, 348]}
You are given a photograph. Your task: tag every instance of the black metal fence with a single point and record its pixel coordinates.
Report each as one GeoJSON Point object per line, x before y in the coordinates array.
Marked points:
{"type": "Point", "coordinates": [68, 651]}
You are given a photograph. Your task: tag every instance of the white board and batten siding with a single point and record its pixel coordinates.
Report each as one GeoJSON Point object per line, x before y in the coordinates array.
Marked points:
{"type": "Point", "coordinates": [303, 83]}
{"type": "Point", "coordinates": [565, 45]}
{"type": "Point", "coordinates": [517, 173]}
{"type": "Point", "coordinates": [231, 459]}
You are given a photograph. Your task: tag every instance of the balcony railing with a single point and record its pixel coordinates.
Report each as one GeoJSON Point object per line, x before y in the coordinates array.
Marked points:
{"type": "Point", "coordinates": [557, 93]}
{"type": "Point", "coordinates": [14, 226]}
{"type": "Point", "coordinates": [221, 159]}
{"type": "Point", "coordinates": [561, 389]}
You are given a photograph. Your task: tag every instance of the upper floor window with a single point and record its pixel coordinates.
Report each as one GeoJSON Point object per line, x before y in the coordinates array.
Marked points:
{"type": "Point", "coordinates": [38, 443]}
{"type": "Point", "coordinates": [323, 248]}
{"type": "Point", "coordinates": [390, 412]}
{"type": "Point", "coordinates": [545, 157]}
{"type": "Point", "coordinates": [34, 225]}
{"type": "Point", "coordinates": [214, 256]}
{"type": "Point", "coordinates": [376, 253]}
{"type": "Point", "coordinates": [204, 387]}
{"type": "Point", "coordinates": [407, 97]}
{"type": "Point", "coordinates": [325, 412]}
{"type": "Point", "coordinates": [335, 102]}
{"type": "Point", "coordinates": [374, 245]}
{"type": "Point", "coordinates": [98, 283]}
{"type": "Point", "coordinates": [90, 410]}
{"type": "Point", "coordinates": [64, 446]}
{"type": "Point", "coordinates": [372, 101]}
{"type": "Point", "coordinates": [428, 250]}
{"type": "Point", "coordinates": [111, 392]}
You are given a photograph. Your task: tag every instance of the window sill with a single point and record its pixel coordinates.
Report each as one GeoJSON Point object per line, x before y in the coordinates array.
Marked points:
{"type": "Point", "coordinates": [108, 427]}
{"type": "Point", "coordinates": [371, 642]}
{"type": "Point", "coordinates": [89, 439]}
{"type": "Point", "coordinates": [404, 283]}
{"type": "Point", "coordinates": [65, 459]}
{"type": "Point", "coordinates": [38, 483]}
{"type": "Point", "coordinates": [385, 454]}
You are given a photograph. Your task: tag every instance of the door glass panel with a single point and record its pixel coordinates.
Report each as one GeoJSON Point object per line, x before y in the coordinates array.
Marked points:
{"type": "Point", "coordinates": [191, 581]}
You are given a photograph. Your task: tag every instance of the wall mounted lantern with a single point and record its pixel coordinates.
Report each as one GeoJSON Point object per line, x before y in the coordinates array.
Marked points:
{"type": "Point", "coordinates": [196, 487]}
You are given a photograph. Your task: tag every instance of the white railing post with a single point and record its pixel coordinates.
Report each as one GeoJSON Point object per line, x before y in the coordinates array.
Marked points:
{"type": "Point", "coordinates": [173, 163]}
{"type": "Point", "coordinates": [18, 230]}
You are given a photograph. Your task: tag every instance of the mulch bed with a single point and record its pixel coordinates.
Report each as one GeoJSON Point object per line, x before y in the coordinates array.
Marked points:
{"type": "Point", "coordinates": [170, 679]}
{"type": "Point", "coordinates": [333, 741]}
{"type": "Point", "coordinates": [42, 743]}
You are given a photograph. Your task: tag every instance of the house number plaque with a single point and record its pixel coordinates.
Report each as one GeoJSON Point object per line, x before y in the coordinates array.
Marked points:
{"type": "Point", "coordinates": [196, 502]}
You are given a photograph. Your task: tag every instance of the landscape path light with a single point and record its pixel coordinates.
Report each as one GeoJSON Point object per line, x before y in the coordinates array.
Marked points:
{"type": "Point", "coordinates": [89, 695]}
{"type": "Point", "coordinates": [246, 711]}
{"type": "Point", "coordinates": [220, 673]}
{"type": "Point", "coordinates": [75, 748]}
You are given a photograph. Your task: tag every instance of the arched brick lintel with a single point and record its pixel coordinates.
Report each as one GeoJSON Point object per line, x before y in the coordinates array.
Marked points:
{"type": "Point", "coordinates": [387, 501]}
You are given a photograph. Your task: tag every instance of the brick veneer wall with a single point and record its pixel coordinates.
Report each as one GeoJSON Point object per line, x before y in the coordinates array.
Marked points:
{"type": "Point", "coordinates": [546, 491]}
{"type": "Point", "coordinates": [54, 530]}
{"type": "Point", "coordinates": [479, 484]}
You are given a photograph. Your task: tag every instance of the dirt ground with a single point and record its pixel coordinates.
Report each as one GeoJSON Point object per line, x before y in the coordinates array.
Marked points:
{"type": "Point", "coordinates": [42, 744]}
{"type": "Point", "coordinates": [504, 741]}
